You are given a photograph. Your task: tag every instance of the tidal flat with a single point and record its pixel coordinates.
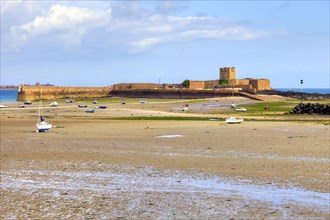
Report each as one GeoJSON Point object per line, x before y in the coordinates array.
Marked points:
{"type": "Point", "coordinates": [91, 168]}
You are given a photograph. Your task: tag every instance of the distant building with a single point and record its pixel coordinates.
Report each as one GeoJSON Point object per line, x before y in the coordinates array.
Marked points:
{"type": "Point", "coordinates": [227, 79]}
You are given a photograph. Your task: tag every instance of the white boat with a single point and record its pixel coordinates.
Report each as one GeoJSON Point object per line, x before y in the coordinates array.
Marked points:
{"type": "Point", "coordinates": [42, 125]}
{"type": "Point", "coordinates": [233, 120]}
{"type": "Point", "coordinates": [142, 101]}
{"type": "Point", "coordinates": [3, 106]}
{"type": "Point", "coordinates": [241, 109]}
{"type": "Point", "coordinates": [185, 109]}
{"type": "Point", "coordinates": [53, 104]}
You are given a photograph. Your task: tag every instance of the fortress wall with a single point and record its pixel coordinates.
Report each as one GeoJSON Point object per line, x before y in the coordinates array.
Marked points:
{"type": "Point", "coordinates": [242, 82]}
{"type": "Point", "coordinates": [172, 94]}
{"type": "Point", "coordinates": [32, 93]}
{"type": "Point", "coordinates": [260, 84]}
{"type": "Point", "coordinates": [138, 86]}
{"type": "Point", "coordinates": [196, 84]}
{"type": "Point", "coordinates": [209, 84]}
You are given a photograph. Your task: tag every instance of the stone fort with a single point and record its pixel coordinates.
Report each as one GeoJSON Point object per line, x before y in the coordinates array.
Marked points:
{"type": "Point", "coordinates": [227, 83]}
{"type": "Point", "coordinates": [227, 79]}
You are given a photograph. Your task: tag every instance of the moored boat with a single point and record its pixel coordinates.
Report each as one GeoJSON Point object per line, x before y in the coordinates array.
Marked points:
{"type": "Point", "coordinates": [233, 120]}
{"type": "Point", "coordinates": [90, 111]}
{"type": "Point", "coordinates": [82, 106]}
{"type": "Point", "coordinates": [42, 125]}
{"type": "Point", "coordinates": [53, 104]}
{"type": "Point", "coordinates": [240, 109]}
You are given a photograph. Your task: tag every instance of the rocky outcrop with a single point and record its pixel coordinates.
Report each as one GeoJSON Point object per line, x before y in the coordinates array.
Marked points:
{"type": "Point", "coordinates": [297, 95]}
{"type": "Point", "coordinates": [311, 108]}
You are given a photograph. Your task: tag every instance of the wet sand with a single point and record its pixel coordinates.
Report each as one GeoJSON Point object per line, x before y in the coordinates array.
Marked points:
{"type": "Point", "coordinates": [148, 169]}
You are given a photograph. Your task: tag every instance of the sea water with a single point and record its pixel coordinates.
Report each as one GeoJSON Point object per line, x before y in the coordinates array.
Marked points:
{"type": "Point", "coordinates": [8, 95]}
{"type": "Point", "coordinates": [306, 90]}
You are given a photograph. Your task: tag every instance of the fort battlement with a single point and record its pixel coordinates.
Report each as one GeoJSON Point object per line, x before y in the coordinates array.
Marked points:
{"type": "Point", "coordinates": [32, 93]}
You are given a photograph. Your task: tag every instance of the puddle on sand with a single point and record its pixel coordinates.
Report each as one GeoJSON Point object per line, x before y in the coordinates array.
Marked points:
{"type": "Point", "coordinates": [170, 136]}
{"type": "Point", "coordinates": [144, 180]}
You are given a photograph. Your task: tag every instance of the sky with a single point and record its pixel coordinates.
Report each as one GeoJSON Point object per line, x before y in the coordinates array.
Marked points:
{"type": "Point", "coordinates": [101, 43]}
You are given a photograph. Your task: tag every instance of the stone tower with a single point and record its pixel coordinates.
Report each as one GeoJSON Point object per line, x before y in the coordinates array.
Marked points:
{"type": "Point", "coordinates": [227, 73]}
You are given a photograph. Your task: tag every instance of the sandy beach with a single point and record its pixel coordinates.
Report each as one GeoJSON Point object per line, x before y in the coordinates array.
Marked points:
{"type": "Point", "coordinates": [93, 167]}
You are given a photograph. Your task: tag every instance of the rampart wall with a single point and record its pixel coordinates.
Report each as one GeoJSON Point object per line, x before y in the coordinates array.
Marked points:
{"type": "Point", "coordinates": [196, 84]}
{"type": "Point", "coordinates": [172, 94]}
{"type": "Point", "coordinates": [32, 93]}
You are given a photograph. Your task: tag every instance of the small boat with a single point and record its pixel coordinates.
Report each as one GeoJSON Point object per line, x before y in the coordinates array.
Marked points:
{"type": "Point", "coordinates": [42, 125]}
{"type": "Point", "coordinates": [82, 106]}
{"type": "Point", "coordinates": [53, 104]}
{"type": "Point", "coordinates": [123, 102]}
{"type": "Point", "coordinates": [27, 102]}
{"type": "Point", "coordinates": [233, 106]}
{"type": "Point", "coordinates": [3, 106]}
{"type": "Point", "coordinates": [103, 106]}
{"type": "Point", "coordinates": [69, 101]}
{"type": "Point", "coordinates": [95, 102]}
{"type": "Point", "coordinates": [185, 109]}
{"type": "Point", "coordinates": [21, 106]}
{"type": "Point", "coordinates": [241, 109]}
{"type": "Point", "coordinates": [233, 120]}
{"type": "Point", "coordinates": [90, 111]}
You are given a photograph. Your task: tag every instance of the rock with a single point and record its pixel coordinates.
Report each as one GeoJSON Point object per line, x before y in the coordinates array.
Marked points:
{"type": "Point", "coordinates": [311, 108]}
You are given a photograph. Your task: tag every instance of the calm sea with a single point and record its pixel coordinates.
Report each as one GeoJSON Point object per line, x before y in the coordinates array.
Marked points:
{"type": "Point", "coordinates": [307, 90]}
{"type": "Point", "coordinates": [8, 95]}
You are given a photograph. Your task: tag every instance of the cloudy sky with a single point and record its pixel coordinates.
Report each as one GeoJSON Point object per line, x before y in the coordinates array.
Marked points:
{"type": "Point", "coordinates": [100, 43]}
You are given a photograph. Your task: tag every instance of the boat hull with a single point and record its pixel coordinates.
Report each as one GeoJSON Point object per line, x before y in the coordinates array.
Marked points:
{"type": "Point", "coordinates": [232, 120]}
{"type": "Point", "coordinates": [43, 127]}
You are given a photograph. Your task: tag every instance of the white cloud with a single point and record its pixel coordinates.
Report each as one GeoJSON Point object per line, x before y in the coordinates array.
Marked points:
{"type": "Point", "coordinates": [127, 24]}
{"type": "Point", "coordinates": [147, 42]}
{"type": "Point", "coordinates": [64, 21]}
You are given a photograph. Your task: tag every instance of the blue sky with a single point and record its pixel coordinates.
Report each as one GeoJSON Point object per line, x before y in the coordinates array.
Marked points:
{"type": "Point", "coordinates": [100, 43]}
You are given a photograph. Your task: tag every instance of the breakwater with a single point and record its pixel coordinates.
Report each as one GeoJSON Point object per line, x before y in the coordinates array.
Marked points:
{"type": "Point", "coordinates": [173, 93]}
{"type": "Point", "coordinates": [33, 93]}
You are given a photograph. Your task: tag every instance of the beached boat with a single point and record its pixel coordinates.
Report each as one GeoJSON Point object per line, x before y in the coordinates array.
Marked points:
{"type": "Point", "coordinates": [233, 106]}
{"type": "Point", "coordinates": [142, 101]}
{"type": "Point", "coordinates": [42, 125]}
{"type": "Point", "coordinates": [3, 106]}
{"type": "Point", "coordinates": [185, 109]}
{"type": "Point", "coordinates": [27, 102]}
{"type": "Point", "coordinates": [69, 101]}
{"type": "Point", "coordinates": [53, 104]}
{"type": "Point", "coordinates": [82, 106]}
{"type": "Point", "coordinates": [233, 120]}
{"type": "Point", "coordinates": [95, 102]}
{"type": "Point", "coordinates": [90, 111]}
{"type": "Point", "coordinates": [103, 106]}
{"type": "Point", "coordinates": [241, 109]}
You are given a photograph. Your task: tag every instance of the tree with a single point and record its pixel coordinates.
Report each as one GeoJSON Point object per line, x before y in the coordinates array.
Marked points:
{"type": "Point", "coordinates": [223, 82]}
{"type": "Point", "coordinates": [186, 83]}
